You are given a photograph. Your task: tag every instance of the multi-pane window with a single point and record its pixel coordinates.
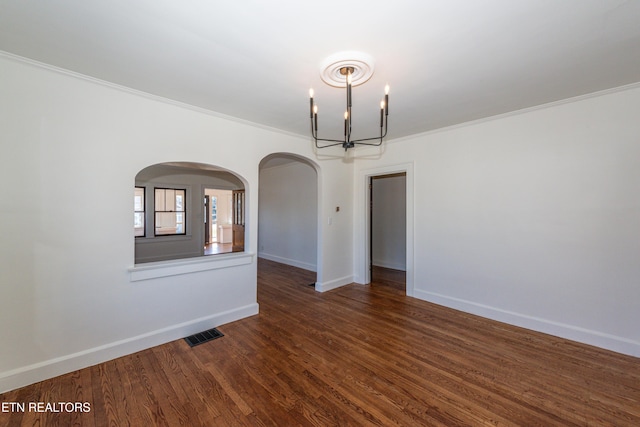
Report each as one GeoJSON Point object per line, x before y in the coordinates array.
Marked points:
{"type": "Point", "coordinates": [138, 212]}
{"type": "Point", "coordinates": [170, 211]}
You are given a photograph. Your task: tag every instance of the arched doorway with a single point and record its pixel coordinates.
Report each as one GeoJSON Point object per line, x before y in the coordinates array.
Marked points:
{"type": "Point", "coordinates": [288, 211]}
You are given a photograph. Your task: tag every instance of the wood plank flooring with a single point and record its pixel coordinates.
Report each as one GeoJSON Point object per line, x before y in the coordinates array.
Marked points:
{"type": "Point", "coordinates": [358, 355]}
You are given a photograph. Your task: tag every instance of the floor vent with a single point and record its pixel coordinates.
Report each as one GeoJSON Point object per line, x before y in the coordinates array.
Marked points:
{"type": "Point", "coordinates": [203, 337]}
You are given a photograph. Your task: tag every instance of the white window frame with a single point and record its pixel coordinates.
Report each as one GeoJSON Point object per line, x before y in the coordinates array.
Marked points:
{"type": "Point", "coordinates": [170, 204]}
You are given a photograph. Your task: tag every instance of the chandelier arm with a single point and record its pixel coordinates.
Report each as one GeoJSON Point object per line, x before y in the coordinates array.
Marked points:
{"type": "Point", "coordinates": [381, 137]}
{"type": "Point", "coordinates": [328, 145]}
{"type": "Point", "coordinates": [377, 144]}
{"type": "Point", "coordinates": [314, 135]}
{"type": "Point", "coordinates": [361, 141]}
{"type": "Point", "coordinates": [330, 140]}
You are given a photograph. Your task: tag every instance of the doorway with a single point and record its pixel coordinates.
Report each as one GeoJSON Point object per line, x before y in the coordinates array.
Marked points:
{"type": "Point", "coordinates": [218, 218]}
{"type": "Point", "coordinates": [288, 229]}
{"type": "Point", "coordinates": [388, 229]}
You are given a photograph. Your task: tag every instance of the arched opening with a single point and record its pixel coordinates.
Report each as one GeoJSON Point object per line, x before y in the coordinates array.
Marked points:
{"type": "Point", "coordinates": [186, 210]}
{"type": "Point", "coordinates": [288, 211]}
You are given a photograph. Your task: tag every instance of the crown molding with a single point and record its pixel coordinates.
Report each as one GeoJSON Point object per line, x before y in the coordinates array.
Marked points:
{"type": "Point", "coordinates": [142, 94]}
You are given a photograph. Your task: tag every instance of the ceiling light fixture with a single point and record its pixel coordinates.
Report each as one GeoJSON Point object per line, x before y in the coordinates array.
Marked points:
{"type": "Point", "coordinates": [348, 73]}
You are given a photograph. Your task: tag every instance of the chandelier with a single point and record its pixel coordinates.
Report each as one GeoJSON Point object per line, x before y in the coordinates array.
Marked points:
{"type": "Point", "coordinates": [347, 142]}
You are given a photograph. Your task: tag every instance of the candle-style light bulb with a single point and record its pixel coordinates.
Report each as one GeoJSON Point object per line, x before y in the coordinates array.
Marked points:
{"type": "Point", "coordinates": [310, 93]}
{"type": "Point", "coordinates": [346, 116]}
{"type": "Point", "coordinates": [386, 100]}
{"type": "Point", "coordinates": [315, 117]}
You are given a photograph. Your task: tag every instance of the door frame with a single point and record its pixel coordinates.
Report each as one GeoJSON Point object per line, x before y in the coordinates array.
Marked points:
{"type": "Point", "coordinates": [363, 228]}
{"type": "Point", "coordinates": [207, 219]}
{"type": "Point", "coordinates": [372, 180]}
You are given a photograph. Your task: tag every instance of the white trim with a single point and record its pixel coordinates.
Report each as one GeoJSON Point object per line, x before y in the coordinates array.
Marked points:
{"type": "Point", "coordinates": [521, 111]}
{"type": "Point", "coordinates": [295, 263]}
{"type": "Point", "coordinates": [159, 269]}
{"type": "Point", "coordinates": [391, 265]}
{"type": "Point", "coordinates": [202, 110]}
{"type": "Point", "coordinates": [142, 94]}
{"type": "Point", "coordinates": [334, 284]}
{"type": "Point", "coordinates": [563, 330]}
{"type": "Point", "coordinates": [16, 378]}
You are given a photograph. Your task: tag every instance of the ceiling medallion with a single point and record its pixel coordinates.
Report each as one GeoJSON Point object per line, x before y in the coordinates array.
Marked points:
{"type": "Point", "coordinates": [361, 64]}
{"type": "Point", "coordinates": [348, 69]}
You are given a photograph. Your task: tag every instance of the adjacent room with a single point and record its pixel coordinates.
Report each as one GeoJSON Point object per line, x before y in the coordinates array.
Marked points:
{"type": "Point", "coordinates": [361, 213]}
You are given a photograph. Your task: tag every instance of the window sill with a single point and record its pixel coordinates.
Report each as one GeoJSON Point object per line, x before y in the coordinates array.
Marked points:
{"type": "Point", "coordinates": [155, 270]}
{"type": "Point", "coordinates": [162, 238]}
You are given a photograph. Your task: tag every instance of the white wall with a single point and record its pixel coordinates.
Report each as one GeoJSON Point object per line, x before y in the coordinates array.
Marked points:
{"type": "Point", "coordinates": [335, 236]}
{"type": "Point", "coordinates": [71, 150]}
{"type": "Point", "coordinates": [389, 222]}
{"type": "Point", "coordinates": [531, 218]}
{"type": "Point", "coordinates": [288, 214]}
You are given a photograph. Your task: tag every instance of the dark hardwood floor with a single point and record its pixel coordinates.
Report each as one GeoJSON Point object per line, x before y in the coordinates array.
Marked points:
{"type": "Point", "coordinates": [358, 355]}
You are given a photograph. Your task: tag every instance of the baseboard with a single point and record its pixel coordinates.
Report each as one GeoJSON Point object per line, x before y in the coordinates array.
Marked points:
{"type": "Point", "coordinates": [333, 284]}
{"type": "Point", "coordinates": [570, 332]}
{"type": "Point", "coordinates": [391, 265]}
{"type": "Point", "coordinates": [26, 375]}
{"type": "Point", "coordinates": [288, 261]}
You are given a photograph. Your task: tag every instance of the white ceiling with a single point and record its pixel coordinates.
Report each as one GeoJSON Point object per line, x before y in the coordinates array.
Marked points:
{"type": "Point", "coordinates": [447, 61]}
